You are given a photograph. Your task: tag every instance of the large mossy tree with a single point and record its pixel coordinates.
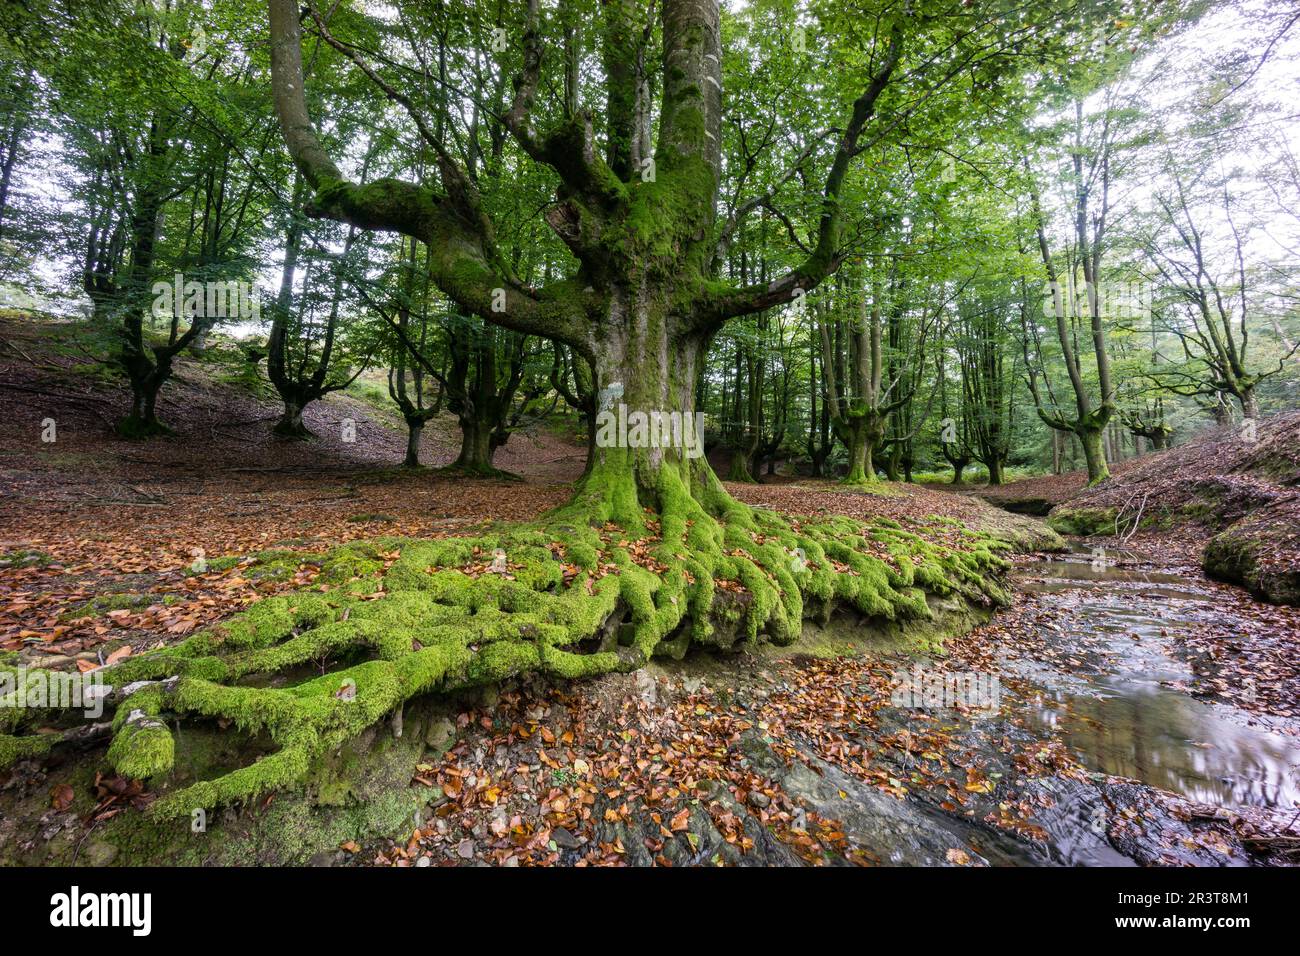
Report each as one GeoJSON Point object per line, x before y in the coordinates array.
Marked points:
{"type": "Point", "coordinates": [652, 555]}
{"type": "Point", "coordinates": [638, 188]}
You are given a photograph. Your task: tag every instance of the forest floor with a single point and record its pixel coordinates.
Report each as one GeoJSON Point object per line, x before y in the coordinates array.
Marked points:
{"type": "Point", "coordinates": [99, 536]}
{"type": "Point", "coordinates": [1104, 747]}
{"type": "Point", "coordinates": [791, 756]}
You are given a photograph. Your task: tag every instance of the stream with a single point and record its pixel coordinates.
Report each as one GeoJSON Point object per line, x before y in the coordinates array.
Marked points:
{"type": "Point", "coordinates": [1131, 721]}
{"type": "Point", "coordinates": [1084, 725]}
{"type": "Point", "coordinates": [1107, 748]}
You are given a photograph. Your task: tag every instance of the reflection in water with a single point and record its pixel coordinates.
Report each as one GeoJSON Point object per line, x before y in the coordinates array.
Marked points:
{"type": "Point", "coordinates": [1174, 742]}
{"type": "Point", "coordinates": [1134, 727]}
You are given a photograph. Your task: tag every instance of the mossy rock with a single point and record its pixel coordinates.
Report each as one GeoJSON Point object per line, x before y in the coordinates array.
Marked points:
{"type": "Point", "coordinates": [363, 791]}
{"type": "Point", "coordinates": [1241, 555]}
{"type": "Point", "coordinates": [1083, 522]}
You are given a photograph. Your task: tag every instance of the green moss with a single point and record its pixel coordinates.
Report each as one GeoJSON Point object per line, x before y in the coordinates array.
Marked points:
{"type": "Point", "coordinates": [25, 558]}
{"type": "Point", "coordinates": [142, 748]}
{"type": "Point", "coordinates": [1082, 521]}
{"type": "Point", "coordinates": [13, 749]}
{"type": "Point", "coordinates": [351, 561]}
{"type": "Point", "coordinates": [105, 603]}
{"type": "Point", "coordinates": [390, 620]}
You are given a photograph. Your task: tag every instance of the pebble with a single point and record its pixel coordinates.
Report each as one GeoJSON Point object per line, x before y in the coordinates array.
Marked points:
{"type": "Point", "coordinates": [564, 839]}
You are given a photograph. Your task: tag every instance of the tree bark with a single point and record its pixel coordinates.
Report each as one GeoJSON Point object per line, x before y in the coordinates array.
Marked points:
{"type": "Point", "coordinates": [414, 429]}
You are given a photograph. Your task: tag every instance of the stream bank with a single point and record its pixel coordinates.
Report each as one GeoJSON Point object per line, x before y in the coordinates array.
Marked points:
{"type": "Point", "coordinates": [1116, 740]}
{"type": "Point", "coordinates": [1121, 712]}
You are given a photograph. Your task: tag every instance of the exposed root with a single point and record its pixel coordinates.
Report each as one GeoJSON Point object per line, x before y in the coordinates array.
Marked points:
{"type": "Point", "coordinates": [603, 584]}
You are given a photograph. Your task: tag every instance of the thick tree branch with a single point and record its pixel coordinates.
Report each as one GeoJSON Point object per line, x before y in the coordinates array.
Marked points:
{"type": "Point", "coordinates": [463, 259]}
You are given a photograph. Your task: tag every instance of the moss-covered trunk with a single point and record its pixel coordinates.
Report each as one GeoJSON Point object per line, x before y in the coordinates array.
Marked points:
{"type": "Point", "coordinates": [476, 448]}
{"type": "Point", "coordinates": [861, 432]}
{"type": "Point", "coordinates": [648, 439]}
{"type": "Point", "coordinates": [1093, 452]}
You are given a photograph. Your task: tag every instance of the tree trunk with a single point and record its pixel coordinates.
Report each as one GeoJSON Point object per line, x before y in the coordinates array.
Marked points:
{"type": "Point", "coordinates": [1249, 403]}
{"type": "Point", "coordinates": [1094, 454]}
{"type": "Point", "coordinates": [414, 429]}
{"type": "Point", "coordinates": [861, 464]}
{"type": "Point", "coordinates": [290, 424]}
{"type": "Point", "coordinates": [995, 471]}
{"type": "Point", "coordinates": [143, 421]}
{"type": "Point", "coordinates": [147, 379]}
{"type": "Point", "coordinates": [893, 462]}
{"type": "Point", "coordinates": [475, 446]}
{"type": "Point", "coordinates": [652, 364]}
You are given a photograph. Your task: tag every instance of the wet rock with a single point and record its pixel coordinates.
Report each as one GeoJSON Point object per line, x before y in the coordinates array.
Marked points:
{"type": "Point", "coordinates": [565, 840]}
{"type": "Point", "coordinates": [440, 735]}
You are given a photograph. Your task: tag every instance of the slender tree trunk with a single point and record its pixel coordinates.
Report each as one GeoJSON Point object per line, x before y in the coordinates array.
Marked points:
{"type": "Point", "coordinates": [414, 429]}
{"type": "Point", "coordinates": [1249, 403]}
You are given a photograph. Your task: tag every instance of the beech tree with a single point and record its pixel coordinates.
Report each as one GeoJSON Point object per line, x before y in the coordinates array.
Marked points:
{"type": "Point", "coordinates": [639, 213]}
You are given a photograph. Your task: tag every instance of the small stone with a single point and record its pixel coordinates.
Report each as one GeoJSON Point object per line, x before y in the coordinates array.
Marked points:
{"type": "Point", "coordinates": [645, 687]}
{"type": "Point", "coordinates": [440, 734]}
{"type": "Point", "coordinates": [424, 861]}
{"type": "Point", "coordinates": [564, 839]}
{"type": "Point", "coordinates": [51, 660]}
{"type": "Point", "coordinates": [759, 799]}
{"type": "Point", "coordinates": [466, 850]}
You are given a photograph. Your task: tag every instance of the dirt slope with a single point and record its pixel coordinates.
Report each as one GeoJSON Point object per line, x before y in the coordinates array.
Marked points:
{"type": "Point", "coordinates": [1239, 484]}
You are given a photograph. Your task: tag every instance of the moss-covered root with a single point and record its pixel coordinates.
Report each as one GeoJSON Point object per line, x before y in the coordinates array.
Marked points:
{"type": "Point", "coordinates": [143, 747]}
{"type": "Point", "coordinates": [600, 585]}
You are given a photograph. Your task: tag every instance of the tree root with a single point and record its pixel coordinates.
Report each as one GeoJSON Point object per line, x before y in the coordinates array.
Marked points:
{"type": "Point", "coordinates": [575, 595]}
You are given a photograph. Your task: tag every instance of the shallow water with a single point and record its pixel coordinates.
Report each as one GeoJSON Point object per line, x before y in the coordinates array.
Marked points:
{"type": "Point", "coordinates": [1129, 721]}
